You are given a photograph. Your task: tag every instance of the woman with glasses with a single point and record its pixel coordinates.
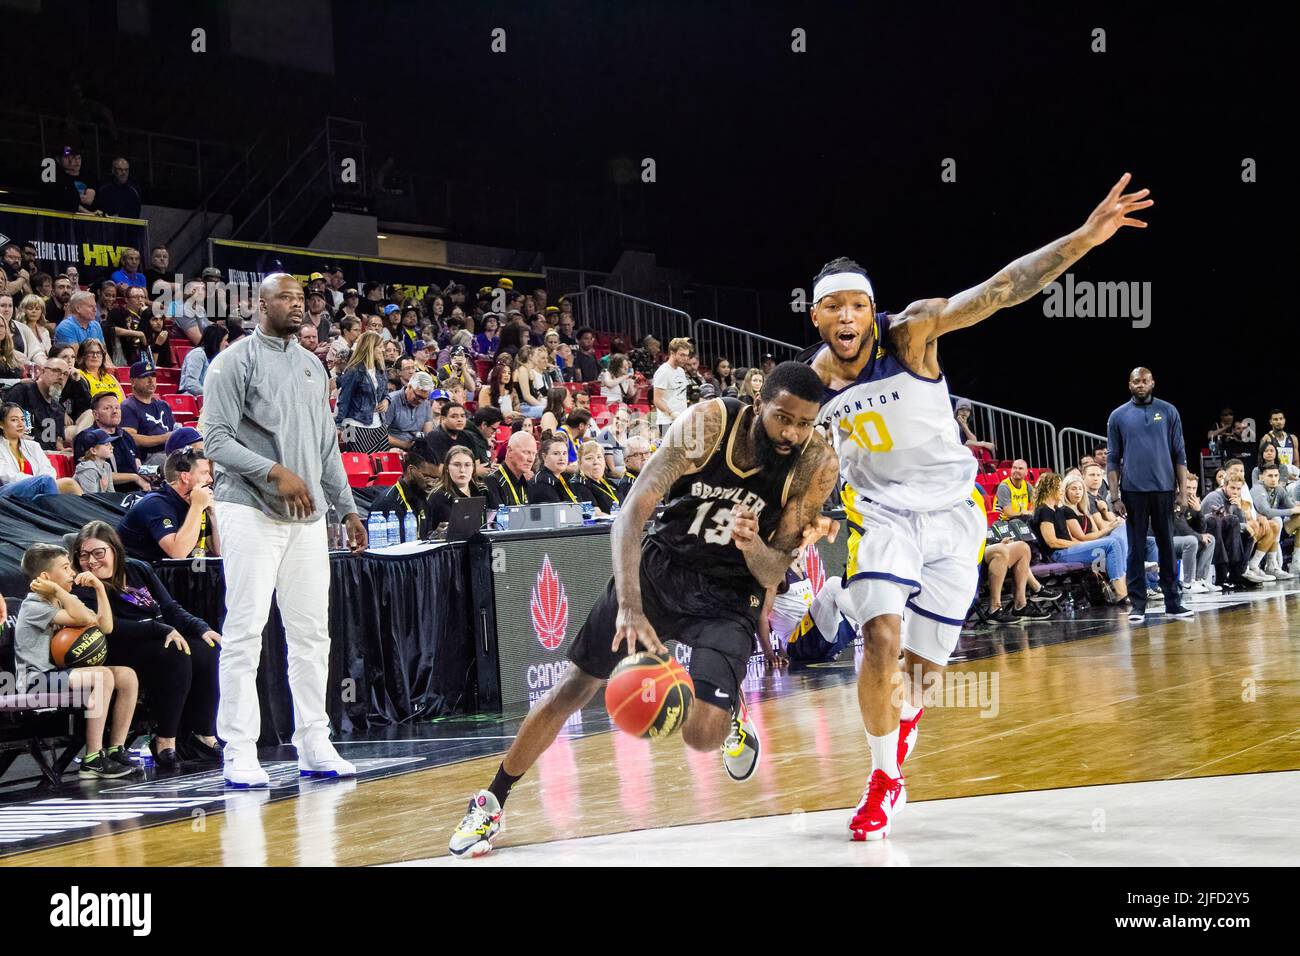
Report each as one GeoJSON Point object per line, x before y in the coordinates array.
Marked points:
{"type": "Point", "coordinates": [457, 482]}
{"type": "Point", "coordinates": [99, 379]}
{"type": "Point", "coordinates": [174, 653]}
{"type": "Point", "coordinates": [25, 470]}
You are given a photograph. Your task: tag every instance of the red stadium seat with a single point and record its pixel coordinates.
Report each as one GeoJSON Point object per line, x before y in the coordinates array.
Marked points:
{"type": "Point", "coordinates": [62, 462]}
{"type": "Point", "coordinates": [123, 373]}
{"type": "Point", "coordinates": [180, 351]}
{"type": "Point", "coordinates": [180, 404]}
{"type": "Point", "coordinates": [387, 478]}
{"type": "Point", "coordinates": [575, 387]}
{"type": "Point", "coordinates": [358, 468]}
{"type": "Point", "coordinates": [169, 376]}
{"type": "Point", "coordinates": [484, 368]}
{"type": "Point", "coordinates": [387, 461]}
{"type": "Point", "coordinates": [503, 434]}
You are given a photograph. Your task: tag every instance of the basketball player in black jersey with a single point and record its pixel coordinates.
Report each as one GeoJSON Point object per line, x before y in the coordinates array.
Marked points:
{"type": "Point", "coordinates": [744, 488]}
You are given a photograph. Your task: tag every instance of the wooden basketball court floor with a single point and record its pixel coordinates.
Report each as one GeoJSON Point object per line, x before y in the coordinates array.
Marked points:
{"type": "Point", "coordinates": [1081, 742]}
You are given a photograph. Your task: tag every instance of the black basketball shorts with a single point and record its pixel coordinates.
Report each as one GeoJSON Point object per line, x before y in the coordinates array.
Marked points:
{"type": "Point", "coordinates": [714, 617]}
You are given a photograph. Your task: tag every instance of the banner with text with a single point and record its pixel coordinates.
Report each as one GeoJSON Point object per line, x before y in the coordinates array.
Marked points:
{"type": "Point", "coordinates": [94, 244]}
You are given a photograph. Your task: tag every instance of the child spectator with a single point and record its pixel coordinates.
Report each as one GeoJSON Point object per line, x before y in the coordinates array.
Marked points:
{"type": "Point", "coordinates": [94, 454]}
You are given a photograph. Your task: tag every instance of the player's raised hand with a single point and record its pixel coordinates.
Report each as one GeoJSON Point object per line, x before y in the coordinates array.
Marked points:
{"type": "Point", "coordinates": [634, 630]}
{"type": "Point", "coordinates": [820, 527]}
{"type": "Point", "coordinates": [1114, 212]}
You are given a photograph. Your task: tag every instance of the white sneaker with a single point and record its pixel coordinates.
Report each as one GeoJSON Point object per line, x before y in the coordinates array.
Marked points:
{"type": "Point", "coordinates": [320, 759]}
{"type": "Point", "coordinates": [1279, 574]}
{"type": "Point", "coordinates": [1210, 586]}
{"type": "Point", "coordinates": [478, 828]}
{"type": "Point", "coordinates": [1256, 576]}
{"type": "Point", "coordinates": [1198, 587]}
{"type": "Point", "coordinates": [1154, 594]}
{"type": "Point", "coordinates": [243, 772]}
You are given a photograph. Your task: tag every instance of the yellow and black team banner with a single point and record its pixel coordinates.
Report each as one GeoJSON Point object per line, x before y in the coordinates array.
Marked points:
{"type": "Point", "coordinates": [246, 263]}
{"type": "Point", "coordinates": [94, 244]}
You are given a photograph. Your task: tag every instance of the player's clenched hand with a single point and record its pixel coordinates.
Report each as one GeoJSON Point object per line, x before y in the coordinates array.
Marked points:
{"type": "Point", "coordinates": [820, 527]}
{"type": "Point", "coordinates": [297, 496]}
{"type": "Point", "coordinates": [634, 631]}
{"type": "Point", "coordinates": [744, 529]}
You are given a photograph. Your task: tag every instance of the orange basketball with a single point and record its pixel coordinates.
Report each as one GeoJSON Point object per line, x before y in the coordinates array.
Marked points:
{"type": "Point", "coordinates": [78, 647]}
{"type": "Point", "coordinates": [649, 695]}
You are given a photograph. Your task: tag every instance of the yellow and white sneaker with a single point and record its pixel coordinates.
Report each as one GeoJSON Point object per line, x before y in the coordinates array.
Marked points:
{"type": "Point", "coordinates": [478, 828]}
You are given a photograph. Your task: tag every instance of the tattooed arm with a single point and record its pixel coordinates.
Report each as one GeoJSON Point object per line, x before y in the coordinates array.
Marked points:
{"type": "Point", "coordinates": [801, 522]}
{"type": "Point", "coordinates": [688, 444]}
{"type": "Point", "coordinates": [927, 319]}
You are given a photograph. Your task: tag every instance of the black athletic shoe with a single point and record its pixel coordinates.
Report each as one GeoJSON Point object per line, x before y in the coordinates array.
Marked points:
{"type": "Point", "coordinates": [100, 767]}
{"type": "Point", "coordinates": [121, 757]}
{"type": "Point", "coordinates": [1032, 612]}
{"type": "Point", "coordinates": [192, 748]}
{"type": "Point", "coordinates": [1179, 611]}
{"type": "Point", "coordinates": [1046, 596]}
{"type": "Point", "coordinates": [1003, 615]}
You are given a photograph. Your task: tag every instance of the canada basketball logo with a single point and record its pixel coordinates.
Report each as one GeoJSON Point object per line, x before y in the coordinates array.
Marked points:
{"type": "Point", "coordinates": [812, 561]}
{"type": "Point", "coordinates": [549, 607]}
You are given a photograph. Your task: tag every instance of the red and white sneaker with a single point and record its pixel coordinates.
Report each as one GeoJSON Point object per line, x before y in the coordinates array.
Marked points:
{"type": "Point", "coordinates": [883, 798]}
{"type": "Point", "coordinates": [907, 737]}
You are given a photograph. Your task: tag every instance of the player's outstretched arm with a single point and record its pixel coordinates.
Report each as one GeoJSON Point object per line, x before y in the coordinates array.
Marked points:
{"type": "Point", "coordinates": [1030, 274]}
{"type": "Point", "coordinates": [686, 446]}
{"type": "Point", "coordinates": [801, 522]}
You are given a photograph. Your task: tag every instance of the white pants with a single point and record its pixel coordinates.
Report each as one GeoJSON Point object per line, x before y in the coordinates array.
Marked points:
{"type": "Point", "coordinates": [264, 556]}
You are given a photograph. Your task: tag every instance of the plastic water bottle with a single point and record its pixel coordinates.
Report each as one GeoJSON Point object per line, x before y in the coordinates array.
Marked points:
{"type": "Point", "coordinates": [613, 509]}
{"type": "Point", "coordinates": [503, 518]}
{"type": "Point", "coordinates": [392, 529]}
{"type": "Point", "coordinates": [333, 532]}
{"type": "Point", "coordinates": [410, 528]}
{"type": "Point", "coordinates": [375, 529]}
{"type": "Point", "coordinates": [588, 510]}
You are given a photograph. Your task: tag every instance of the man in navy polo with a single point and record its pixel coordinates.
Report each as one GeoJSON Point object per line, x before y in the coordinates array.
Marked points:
{"type": "Point", "coordinates": [177, 520]}
{"type": "Point", "coordinates": [147, 418]}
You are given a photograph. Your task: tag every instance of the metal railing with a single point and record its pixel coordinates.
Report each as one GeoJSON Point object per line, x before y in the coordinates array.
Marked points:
{"type": "Point", "coordinates": [606, 309]}
{"type": "Point", "coordinates": [1014, 435]}
{"type": "Point", "coordinates": [1073, 444]}
{"type": "Point", "coordinates": [744, 350]}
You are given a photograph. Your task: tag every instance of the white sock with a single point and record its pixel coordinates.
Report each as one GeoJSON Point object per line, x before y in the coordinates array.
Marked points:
{"type": "Point", "coordinates": [1256, 559]}
{"type": "Point", "coordinates": [1275, 556]}
{"type": "Point", "coordinates": [908, 711]}
{"type": "Point", "coordinates": [824, 611]}
{"type": "Point", "coordinates": [884, 753]}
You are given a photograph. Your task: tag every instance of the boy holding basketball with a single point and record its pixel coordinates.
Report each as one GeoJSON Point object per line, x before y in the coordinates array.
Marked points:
{"type": "Point", "coordinates": [50, 607]}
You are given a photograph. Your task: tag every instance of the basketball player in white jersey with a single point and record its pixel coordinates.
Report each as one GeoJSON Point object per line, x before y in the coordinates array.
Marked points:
{"type": "Point", "coordinates": [915, 521]}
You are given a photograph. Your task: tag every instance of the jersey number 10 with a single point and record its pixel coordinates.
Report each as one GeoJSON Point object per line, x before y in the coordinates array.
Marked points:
{"type": "Point", "coordinates": [868, 430]}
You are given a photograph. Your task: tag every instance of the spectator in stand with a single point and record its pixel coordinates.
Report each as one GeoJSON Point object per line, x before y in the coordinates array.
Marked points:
{"type": "Point", "coordinates": [565, 327]}
{"type": "Point", "coordinates": [409, 412]}
{"type": "Point", "coordinates": [559, 402]}
{"type": "Point", "coordinates": [75, 397]}
{"type": "Point", "coordinates": [106, 413]}
{"type": "Point", "coordinates": [185, 438]}
{"type": "Point", "coordinates": [80, 323]}
{"type": "Point", "coordinates": [1145, 438]}
{"type": "Point", "coordinates": [65, 193]}
{"type": "Point", "coordinates": [1270, 454]}
{"type": "Point", "coordinates": [481, 435]}
{"type": "Point", "coordinates": [375, 323]}
{"type": "Point", "coordinates": [458, 481]}
{"type": "Point", "coordinates": [724, 379]}
{"type": "Point", "coordinates": [308, 338]}
{"type": "Point", "coordinates": [402, 369]}
{"type": "Point", "coordinates": [93, 453]}
{"type": "Point", "coordinates": [488, 341]}
{"type": "Point", "coordinates": [591, 483]}
{"type": "Point", "coordinates": [318, 313]}
{"type": "Point", "coordinates": [119, 196]}
{"type": "Point", "coordinates": [1051, 524]}
{"type": "Point", "coordinates": [530, 381]}
{"type": "Point", "coordinates": [1194, 544]}
{"type": "Point", "coordinates": [15, 278]}
{"type": "Point", "coordinates": [636, 453]}
{"type": "Point", "coordinates": [36, 337]}
{"type": "Point", "coordinates": [982, 450]}
{"type": "Point", "coordinates": [363, 400]}
{"type": "Point", "coordinates": [508, 485]}
{"type": "Point", "coordinates": [552, 483]}
{"type": "Point", "coordinates": [585, 363]}
{"type": "Point", "coordinates": [159, 341]}
{"type": "Point", "coordinates": [1272, 503]}
{"type": "Point", "coordinates": [499, 392]}
{"type": "Point", "coordinates": [514, 336]}
{"type": "Point", "coordinates": [1222, 517]}
{"type": "Point", "coordinates": [1007, 554]}
{"type": "Point", "coordinates": [449, 431]}
{"type": "Point", "coordinates": [768, 364]}
{"type": "Point", "coordinates": [1084, 528]}
{"type": "Point", "coordinates": [91, 361]}
{"type": "Point", "coordinates": [191, 314]}
{"type": "Point", "coordinates": [158, 278]}
{"type": "Point", "coordinates": [670, 384]}
{"type": "Point", "coordinates": [613, 438]}
{"type": "Point", "coordinates": [411, 493]}
{"type": "Point", "coordinates": [173, 652]}
{"type": "Point", "coordinates": [458, 369]}
{"type": "Point", "coordinates": [574, 431]}
{"type": "Point", "coordinates": [1288, 449]}
{"type": "Point", "coordinates": [1226, 436]}
{"type": "Point", "coordinates": [646, 358]}
{"type": "Point", "coordinates": [12, 360]}
{"type": "Point", "coordinates": [750, 385]}
{"type": "Point", "coordinates": [408, 333]}
{"type": "Point", "coordinates": [25, 470]}
{"type": "Point", "coordinates": [177, 520]}
{"type": "Point", "coordinates": [145, 417]}
{"type": "Point", "coordinates": [349, 333]}
{"type": "Point", "coordinates": [129, 323]}
{"type": "Point", "coordinates": [1015, 494]}
{"type": "Point", "coordinates": [195, 367]}
{"type": "Point", "coordinates": [617, 382]}
{"type": "Point", "coordinates": [350, 304]}
{"type": "Point", "coordinates": [40, 401]}
{"type": "Point", "coordinates": [129, 274]}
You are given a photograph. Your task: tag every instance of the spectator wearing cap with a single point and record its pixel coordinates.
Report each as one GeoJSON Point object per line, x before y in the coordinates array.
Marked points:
{"type": "Point", "coordinates": [145, 417]}
{"type": "Point", "coordinates": [411, 493]}
{"type": "Point", "coordinates": [409, 412]}
{"type": "Point", "coordinates": [195, 367]}
{"type": "Point", "coordinates": [62, 193]}
{"type": "Point", "coordinates": [80, 323]}
{"type": "Point", "coordinates": [508, 485]}
{"type": "Point", "coordinates": [409, 333]}
{"type": "Point", "coordinates": [349, 332]}
{"type": "Point", "coordinates": [769, 363]}
{"type": "Point", "coordinates": [318, 313]}
{"type": "Point", "coordinates": [40, 399]}
{"type": "Point", "coordinates": [350, 302]}
{"type": "Point", "coordinates": [458, 369]}
{"type": "Point", "coordinates": [184, 438]}
{"type": "Point", "coordinates": [177, 520]}
{"type": "Point", "coordinates": [190, 314]}
{"type": "Point", "coordinates": [106, 414]}
{"type": "Point", "coordinates": [982, 450]}
{"type": "Point", "coordinates": [129, 274]}
{"type": "Point", "coordinates": [25, 471]}
{"type": "Point", "coordinates": [93, 453]}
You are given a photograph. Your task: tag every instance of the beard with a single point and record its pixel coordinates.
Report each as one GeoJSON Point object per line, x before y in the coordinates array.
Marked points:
{"type": "Point", "coordinates": [765, 452]}
{"type": "Point", "coordinates": [56, 392]}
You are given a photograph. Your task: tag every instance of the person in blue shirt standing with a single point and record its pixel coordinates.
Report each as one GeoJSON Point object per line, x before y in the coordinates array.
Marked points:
{"type": "Point", "coordinates": [1148, 465]}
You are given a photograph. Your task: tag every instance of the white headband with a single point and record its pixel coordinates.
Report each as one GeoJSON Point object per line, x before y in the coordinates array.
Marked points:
{"type": "Point", "coordinates": [842, 282]}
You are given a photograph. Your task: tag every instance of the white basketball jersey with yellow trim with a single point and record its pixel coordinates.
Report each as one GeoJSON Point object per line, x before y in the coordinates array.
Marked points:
{"type": "Point", "coordinates": [896, 437]}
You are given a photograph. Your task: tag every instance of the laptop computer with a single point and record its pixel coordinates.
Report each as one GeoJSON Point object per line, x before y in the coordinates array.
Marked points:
{"type": "Point", "coordinates": [466, 518]}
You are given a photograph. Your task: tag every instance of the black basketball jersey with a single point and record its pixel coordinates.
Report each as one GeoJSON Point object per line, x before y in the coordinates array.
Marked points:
{"type": "Point", "coordinates": [696, 522]}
